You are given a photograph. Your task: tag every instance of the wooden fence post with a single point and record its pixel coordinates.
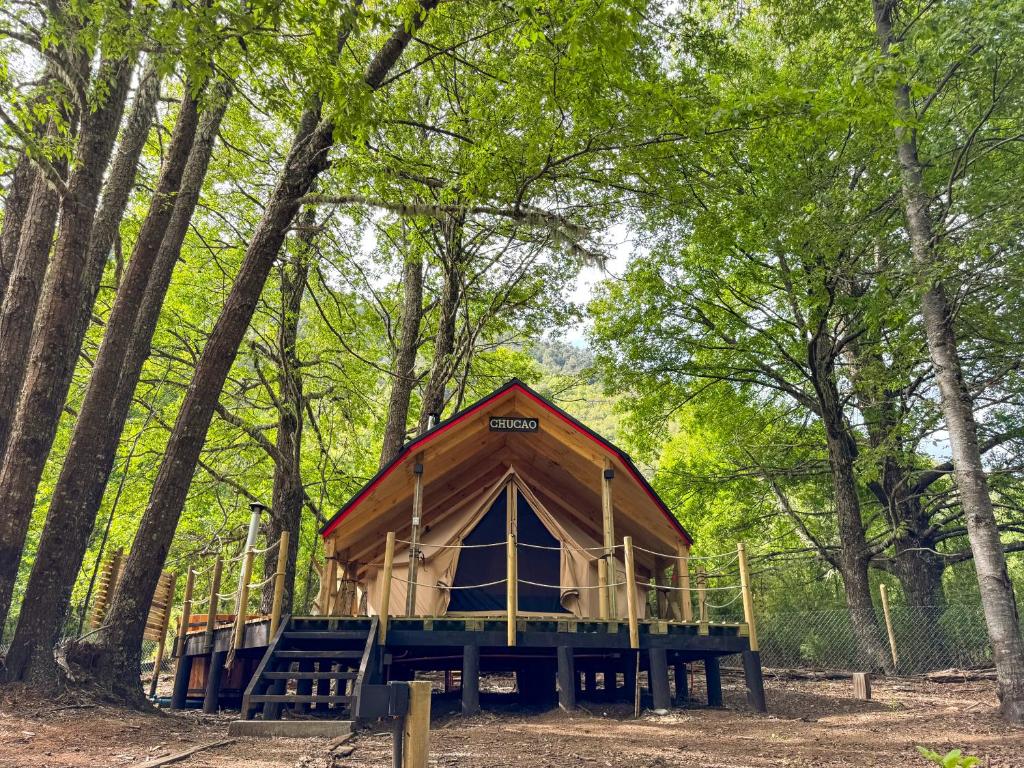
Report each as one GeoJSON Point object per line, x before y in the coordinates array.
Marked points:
{"type": "Point", "coordinates": [702, 599]}
{"type": "Point", "coordinates": [385, 597]}
{"type": "Point", "coordinates": [748, 599]}
{"type": "Point", "coordinates": [634, 629]}
{"type": "Point", "coordinates": [683, 582]}
{"type": "Point", "coordinates": [214, 604]}
{"type": "Point", "coordinates": [416, 733]}
{"type": "Point", "coordinates": [888, 624]}
{"type": "Point", "coordinates": [243, 599]}
{"type": "Point", "coordinates": [282, 564]}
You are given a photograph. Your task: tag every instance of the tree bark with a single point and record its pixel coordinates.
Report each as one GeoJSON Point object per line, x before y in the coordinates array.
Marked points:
{"type": "Point", "coordinates": [403, 373]}
{"type": "Point", "coordinates": [59, 326]}
{"type": "Point", "coordinates": [441, 367]}
{"type": "Point", "coordinates": [288, 493]}
{"type": "Point", "coordinates": [80, 486]}
{"type": "Point", "coordinates": [21, 300]}
{"type": "Point", "coordinates": [853, 556]}
{"type": "Point", "coordinates": [997, 597]}
{"type": "Point", "coordinates": [19, 195]}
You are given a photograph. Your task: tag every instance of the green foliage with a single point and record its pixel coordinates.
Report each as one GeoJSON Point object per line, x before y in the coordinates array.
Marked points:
{"type": "Point", "coordinates": [952, 759]}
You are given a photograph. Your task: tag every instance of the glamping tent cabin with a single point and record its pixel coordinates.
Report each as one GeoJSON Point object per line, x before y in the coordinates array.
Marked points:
{"type": "Point", "coordinates": [510, 538]}
{"type": "Point", "coordinates": [512, 467]}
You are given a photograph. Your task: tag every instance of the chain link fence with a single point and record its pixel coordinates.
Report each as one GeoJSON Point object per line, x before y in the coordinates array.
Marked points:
{"type": "Point", "coordinates": [927, 638]}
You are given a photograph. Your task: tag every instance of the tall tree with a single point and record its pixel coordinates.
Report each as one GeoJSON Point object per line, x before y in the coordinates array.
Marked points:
{"type": "Point", "coordinates": [997, 595]}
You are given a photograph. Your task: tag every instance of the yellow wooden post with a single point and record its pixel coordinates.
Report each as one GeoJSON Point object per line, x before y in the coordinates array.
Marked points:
{"type": "Point", "coordinates": [214, 605]}
{"type": "Point", "coordinates": [186, 611]}
{"type": "Point", "coordinates": [888, 623]}
{"type": "Point", "coordinates": [683, 582]}
{"type": "Point", "coordinates": [282, 563]}
{"type": "Point", "coordinates": [385, 596]}
{"type": "Point", "coordinates": [510, 579]}
{"type": "Point", "coordinates": [243, 599]}
{"type": "Point", "coordinates": [329, 576]}
{"type": "Point", "coordinates": [416, 731]}
{"type": "Point", "coordinates": [602, 588]}
{"type": "Point", "coordinates": [634, 629]}
{"type": "Point", "coordinates": [608, 525]}
{"type": "Point", "coordinates": [165, 620]}
{"type": "Point", "coordinates": [748, 599]}
{"type": "Point", "coordinates": [414, 535]}
{"type": "Point", "coordinates": [702, 599]}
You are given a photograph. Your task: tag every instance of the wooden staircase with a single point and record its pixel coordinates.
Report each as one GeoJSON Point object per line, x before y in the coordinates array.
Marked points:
{"type": "Point", "coordinates": [314, 667]}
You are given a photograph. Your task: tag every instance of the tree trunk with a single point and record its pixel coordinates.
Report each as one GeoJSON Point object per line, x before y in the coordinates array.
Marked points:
{"type": "Point", "coordinates": [441, 367]}
{"type": "Point", "coordinates": [21, 300]}
{"type": "Point", "coordinates": [79, 491]}
{"type": "Point", "coordinates": [403, 373]}
{"type": "Point", "coordinates": [113, 656]}
{"type": "Point", "coordinates": [288, 494]}
{"type": "Point", "coordinates": [19, 195]}
{"type": "Point", "coordinates": [997, 597]}
{"type": "Point", "coordinates": [853, 557]}
{"type": "Point", "coordinates": [59, 327]}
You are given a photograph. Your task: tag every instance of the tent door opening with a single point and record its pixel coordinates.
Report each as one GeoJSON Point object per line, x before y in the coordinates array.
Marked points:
{"type": "Point", "coordinates": [538, 554]}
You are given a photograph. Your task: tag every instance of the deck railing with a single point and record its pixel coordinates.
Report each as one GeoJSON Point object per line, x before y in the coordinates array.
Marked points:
{"type": "Point", "coordinates": [706, 583]}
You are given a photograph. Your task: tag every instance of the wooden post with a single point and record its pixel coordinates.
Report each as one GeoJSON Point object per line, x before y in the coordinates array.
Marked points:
{"type": "Point", "coordinates": [602, 588]}
{"type": "Point", "coordinates": [416, 734]}
{"type": "Point", "coordinates": [414, 536]}
{"type": "Point", "coordinates": [657, 673]}
{"type": "Point", "coordinates": [608, 520]}
{"type": "Point", "coordinates": [214, 603]}
{"type": "Point", "coordinates": [164, 622]}
{"type": "Point", "coordinates": [702, 600]}
{"type": "Point", "coordinates": [683, 582]}
{"type": "Point", "coordinates": [634, 629]}
{"type": "Point", "coordinates": [888, 624]}
{"type": "Point", "coordinates": [385, 597]}
{"type": "Point", "coordinates": [186, 612]}
{"type": "Point", "coordinates": [566, 678]}
{"type": "Point", "coordinates": [510, 578]}
{"type": "Point", "coordinates": [243, 599]}
{"type": "Point", "coordinates": [713, 680]}
{"type": "Point", "coordinates": [330, 575]}
{"type": "Point", "coordinates": [862, 685]}
{"type": "Point", "coordinates": [661, 594]}
{"type": "Point", "coordinates": [470, 679]}
{"type": "Point", "coordinates": [282, 563]}
{"type": "Point", "coordinates": [748, 600]}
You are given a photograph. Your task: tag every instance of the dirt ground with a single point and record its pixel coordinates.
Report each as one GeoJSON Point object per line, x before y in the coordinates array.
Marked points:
{"type": "Point", "coordinates": [812, 723]}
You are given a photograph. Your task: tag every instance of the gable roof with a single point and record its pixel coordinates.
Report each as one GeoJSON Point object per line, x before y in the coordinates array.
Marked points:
{"type": "Point", "coordinates": [513, 389]}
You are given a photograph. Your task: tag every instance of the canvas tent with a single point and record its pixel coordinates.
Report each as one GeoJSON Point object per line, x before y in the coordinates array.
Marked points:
{"type": "Point", "coordinates": [510, 462]}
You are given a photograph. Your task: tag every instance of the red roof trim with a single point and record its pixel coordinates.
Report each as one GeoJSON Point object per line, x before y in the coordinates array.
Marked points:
{"type": "Point", "coordinates": [512, 386]}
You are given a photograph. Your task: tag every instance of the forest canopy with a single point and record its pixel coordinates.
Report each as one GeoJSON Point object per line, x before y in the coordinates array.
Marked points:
{"type": "Point", "coordinates": [249, 250]}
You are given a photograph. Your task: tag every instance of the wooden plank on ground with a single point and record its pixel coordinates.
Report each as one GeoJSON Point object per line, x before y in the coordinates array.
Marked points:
{"type": "Point", "coordinates": [167, 760]}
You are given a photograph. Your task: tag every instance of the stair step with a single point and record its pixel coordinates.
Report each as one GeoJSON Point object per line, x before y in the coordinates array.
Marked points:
{"type": "Point", "coordinates": [318, 655]}
{"type": "Point", "coordinates": [287, 698]}
{"type": "Point", "coordinates": [325, 675]}
{"type": "Point", "coordinates": [327, 634]}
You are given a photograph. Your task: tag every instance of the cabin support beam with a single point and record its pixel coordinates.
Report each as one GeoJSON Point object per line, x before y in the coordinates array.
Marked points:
{"type": "Point", "coordinates": [414, 535]}
{"type": "Point", "coordinates": [214, 674]}
{"type": "Point", "coordinates": [608, 520]}
{"type": "Point", "coordinates": [470, 679]}
{"type": "Point", "coordinates": [566, 678]}
{"type": "Point", "coordinates": [713, 676]}
{"type": "Point", "coordinates": [682, 684]}
{"type": "Point", "coordinates": [590, 682]}
{"type": "Point", "coordinates": [181, 677]}
{"type": "Point", "coordinates": [629, 664]}
{"type": "Point", "coordinates": [754, 680]}
{"type": "Point", "coordinates": [657, 674]}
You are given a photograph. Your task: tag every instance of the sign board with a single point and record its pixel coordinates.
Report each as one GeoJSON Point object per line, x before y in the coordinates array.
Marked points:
{"type": "Point", "coordinates": [513, 424]}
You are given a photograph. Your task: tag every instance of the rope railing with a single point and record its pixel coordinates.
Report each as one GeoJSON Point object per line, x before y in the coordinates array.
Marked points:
{"type": "Point", "coordinates": [707, 583]}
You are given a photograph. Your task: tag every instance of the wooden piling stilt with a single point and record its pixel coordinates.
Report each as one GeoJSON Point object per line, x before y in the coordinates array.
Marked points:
{"type": "Point", "coordinates": [470, 679]}
{"type": "Point", "coordinates": [214, 673]}
{"type": "Point", "coordinates": [566, 678]}
{"type": "Point", "coordinates": [657, 674]}
{"type": "Point", "coordinates": [713, 678]}
{"type": "Point", "coordinates": [682, 684]}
